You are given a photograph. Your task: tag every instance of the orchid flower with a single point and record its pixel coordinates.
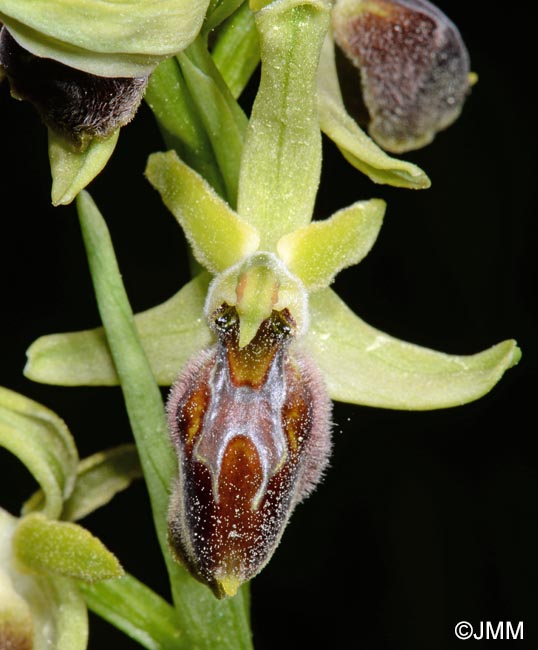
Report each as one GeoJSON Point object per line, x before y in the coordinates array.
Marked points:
{"type": "Point", "coordinates": [265, 293]}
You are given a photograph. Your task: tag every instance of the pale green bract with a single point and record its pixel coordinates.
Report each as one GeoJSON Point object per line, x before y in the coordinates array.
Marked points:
{"type": "Point", "coordinates": [109, 38]}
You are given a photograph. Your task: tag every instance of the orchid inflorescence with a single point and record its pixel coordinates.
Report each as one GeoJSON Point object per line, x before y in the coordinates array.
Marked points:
{"type": "Point", "coordinates": [257, 343]}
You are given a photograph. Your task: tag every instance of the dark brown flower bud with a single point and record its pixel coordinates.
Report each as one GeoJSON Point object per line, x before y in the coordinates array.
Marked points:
{"type": "Point", "coordinates": [77, 105]}
{"type": "Point", "coordinates": [250, 426]}
{"type": "Point", "coordinates": [414, 67]}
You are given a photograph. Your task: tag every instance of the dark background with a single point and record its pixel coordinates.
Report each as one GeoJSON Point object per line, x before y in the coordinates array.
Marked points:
{"type": "Point", "coordinates": [424, 519]}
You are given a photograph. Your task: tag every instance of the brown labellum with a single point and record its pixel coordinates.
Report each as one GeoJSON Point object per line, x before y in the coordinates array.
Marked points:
{"type": "Point", "coordinates": [251, 430]}
{"type": "Point", "coordinates": [77, 105]}
{"type": "Point", "coordinates": [414, 67]}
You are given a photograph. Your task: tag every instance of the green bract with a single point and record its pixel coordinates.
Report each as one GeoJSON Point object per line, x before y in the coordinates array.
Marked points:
{"type": "Point", "coordinates": [268, 254]}
{"type": "Point", "coordinates": [110, 38]}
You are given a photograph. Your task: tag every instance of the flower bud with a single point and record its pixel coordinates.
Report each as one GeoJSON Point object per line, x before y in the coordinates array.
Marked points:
{"type": "Point", "coordinates": [75, 104]}
{"type": "Point", "coordinates": [414, 67]}
{"type": "Point", "coordinates": [250, 426]}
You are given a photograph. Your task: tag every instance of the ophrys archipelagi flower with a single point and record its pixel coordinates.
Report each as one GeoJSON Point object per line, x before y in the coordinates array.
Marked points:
{"type": "Point", "coordinates": [252, 328]}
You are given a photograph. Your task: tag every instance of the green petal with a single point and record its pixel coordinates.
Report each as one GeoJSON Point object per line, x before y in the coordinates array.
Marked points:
{"type": "Point", "coordinates": [218, 237]}
{"type": "Point", "coordinates": [44, 546]}
{"type": "Point", "coordinates": [317, 252]}
{"type": "Point", "coordinates": [100, 477]}
{"type": "Point", "coordinates": [110, 38]}
{"type": "Point", "coordinates": [282, 154]}
{"type": "Point", "coordinates": [362, 365]}
{"type": "Point", "coordinates": [170, 334]}
{"type": "Point", "coordinates": [72, 170]}
{"type": "Point", "coordinates": [355, 145]}
{"type": "Point", "coordinates": [40, 439]}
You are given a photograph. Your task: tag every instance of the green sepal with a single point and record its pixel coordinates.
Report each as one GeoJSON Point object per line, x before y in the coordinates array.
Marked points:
{"type": "Point", "coordinates": [47, 547]}
{"type": "Point", "coordinates": [170, 334]}
{"type": "Point", "coordinates": [317, 252]}
{"type": "Point", "coordinates": [99, 478]}
{"type": "Point", "coordinates": [41, 440]}
{"type": "Point", "coordinates": [236, 50]}
{"type": "Point", "coordinates": [281, 162]}
{"type": "Point", "coordinates": [73, 170]}
{"type": "Point", "coordinates": [110, 38]}
{"type": "Point", "coordinates": [219, 239]}
{"type": "Point", "coordinates": [362, 365]}
{"type": "Point", "coordinates": [358, 149]}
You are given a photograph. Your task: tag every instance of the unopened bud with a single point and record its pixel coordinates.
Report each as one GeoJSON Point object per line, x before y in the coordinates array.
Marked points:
{"type": "Point", "coordinates": [250, 426]}
{"type": "Point", "coordinates": [414, 67]}
{"type": "Point", "coordinates": [77, 105]}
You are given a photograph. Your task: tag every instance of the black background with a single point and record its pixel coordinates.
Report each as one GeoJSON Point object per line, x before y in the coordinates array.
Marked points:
{"type": "Point", "coordinates": [424, 519]}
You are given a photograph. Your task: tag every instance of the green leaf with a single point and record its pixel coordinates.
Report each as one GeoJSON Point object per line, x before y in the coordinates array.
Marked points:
{"type": "Point", "coordinates": [170, 334]}
{"type": "Point", "coordinates": [317, 252]}
{"type": "Point", "coordinates": [40, 439]}
{"type": "Point", "coordinates": [223, 119]}
{"type": "Point", "coordinates": [362, 365]}
{"type": "Point", "coordinates": [72, 170]}
{"type": "Point", "coordinates": [236, 50]}
{"type": "Point", "coordinates": [110, 38]}
{"type": "Point", "coordinates": [137, 611]}
{"type": "Point", "coordinates": [218, 237]}
{"type": "Point", "coordinates": [168, 97]}
{"type": "Point", "coordinates": [44, 546]}
{"type": "Point", "coordinates": [208, 622]}
{"type": "Point", "coordinates": [99, 478]}
{"type": "Point", "coordinates": [282, 154]}
{"type": "Point", "coordinates": [142, 396]}
{"type": "Point", "coordinates": [355, 145]}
